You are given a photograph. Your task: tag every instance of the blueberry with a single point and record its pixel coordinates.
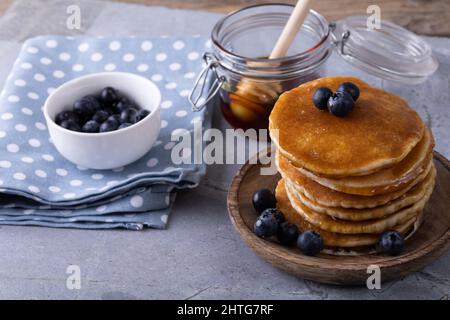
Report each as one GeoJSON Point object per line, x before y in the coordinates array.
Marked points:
{"type": "Point", "coordinates": [266, 225]}
{"type": "Point", "coordinates": [70, 125]}
{"type": "Point", "coordinates": [287, 233]}
{"type": "Point", "coordinates": [263, 199]}
{"type": "Point", "coordinates": [100, 116]}
{"type": "Point", "coordinates": [321, 96]}
{"type": "Point", "coordinates": [109, 125]}
{"type": "Point", "coordinates": [91, 127]}
{"type": "Point", "coordinates": [310, 243]}
{"type": "Point", "coordinates": [86, 107]}
{"type": "Point", "coordinates": [125, 125]}
{"type": "Point", "coordinates": [66, 115]}
{"type": "Point", "coordinates": [122, 105]}
{"type": "Point", "coordinates": [276, 213]}
{"type": "Point", "coordinates": [392, 243]}
{"type": "Point", "coordinates": [109, 95]}
{"type": "Point", "coordinates": [142, 114]}
{"type": "Point", "coordinates": [340, 104]}
{"type": "Point", "coordinates": [115, 117]}
{"type": "Point", "coordinates": [128, 115]}
{"type": "Point", "coordinates": [109, 110]}
{"type": "Point", "coordinates": [350, 88]}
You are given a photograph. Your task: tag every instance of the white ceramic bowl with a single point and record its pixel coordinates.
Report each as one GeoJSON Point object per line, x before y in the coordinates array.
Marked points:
{"type": "Point", "coordinates": [112, 149]}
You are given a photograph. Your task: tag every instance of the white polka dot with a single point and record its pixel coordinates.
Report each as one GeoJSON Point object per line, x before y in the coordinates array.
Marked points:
{"type": "Point", "coordinates": [26, 65]}
{"type": "Point", "coordinates": [58, 74]}
{"type": "Point", "coordinates": [2, 134]}
{"type": "Point", "coordinates": [114, 45]}
{"type": "Point", "coordinates": [34, 189]}
{"type": "Point", "coordinates": [181, 113]}
{"type": "Point", "coordinates": [142, 67]}
{"type": "Point", "coordinates": [137, 201]}
{"type": "Point", "coordinates": [161, 56]}
{"type": "Point", "coordinates": [27, 111]}
{"type": "Point", "coordinates": [146, 46]}
{"type": "Point", "coordinates": [48, 157]}
{"type": "Point", "coordinates": [83, 47]}
{"type": "Point", "coordinates": [33, 95]}
{"type": "Point", "coordinates": [110, 67]}
{"type": "Point", "coordinates": [178, 45]}
{"type": "Point", "coordinates": [152, 162]}
{"type": "Point", "coordinates": [19, 176]}
{"type": "Point", "coordinates": [166, 104]}
{"type": "Point", "coordinates": [175, 66]}
{"type": "Point", "coordinates": [13, 98]}
{"type": "Point", "coordinates": [101, 208]}
{"type": "Point", "coordinates": [69, 195]}
{"type": "Point", "coordinates": [7, 116]}
{"type": "Point", "coordinates": [34, 143]}
{"type": "Point", "coordinates": [190, 75]}
{"type": "Point", "coordinates": [169, 145]}
{"type": "Point", "coordinates": [76, 183]}
{"type": "Point", "coordinates": [128, 57]}
{"type": "Point", "coordinates": [185, 93]}
{"type": "Point", "coordinates": [193, 55]}
{"type": "Point", "coordinates": [40, 126]}
{"type": "Point", "coordinates": [51, 43]}
{"type": "Point", "coordinates": [171, 85]}
{"type": "Point", "coordinates": [46, 61]}
{"type": "Point", "coordinates": [64, 56]}
{"type": "Point", "coordinates": [164, 123]}
{"type": "Point", "coordinates": [97, 176]}
{"type": "Point", "coordinates": [40, 173]}
{"type": "Point", "coordinates": [97, 56]}
{"type": "Point", "coordinates": [78, 67]}
{"type": "Point", "coordinates": [32, 50]}
{"type": "Point", "coordinates": [27, 160]}
{"type": "Point", "coordinates": [20, 127]}
{"type": "Point", "coordinates": [54, 189]}
{"type": "Point", "coordinates": [13, 148]}
{"type": "Point", "coordinates": [20, 83]}
{"type": "Point", "coordinates": [5, 164]}
{"type": "Point", "coordinates": [164, 218]}
{"type": "Point", "coordinates": [157, 77]}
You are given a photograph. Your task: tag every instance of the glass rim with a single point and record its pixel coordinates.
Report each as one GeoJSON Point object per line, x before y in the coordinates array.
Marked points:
{"type": "Point", "coordinates": [292, 58]}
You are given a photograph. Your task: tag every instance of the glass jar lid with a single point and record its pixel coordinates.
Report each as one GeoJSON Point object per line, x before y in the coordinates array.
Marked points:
{"type": "Point", "coordinates": [390, 52]}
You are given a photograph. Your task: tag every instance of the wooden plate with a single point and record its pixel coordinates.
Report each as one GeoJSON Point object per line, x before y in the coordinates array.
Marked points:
{"type": "Point", "coordinates": [429, 242]}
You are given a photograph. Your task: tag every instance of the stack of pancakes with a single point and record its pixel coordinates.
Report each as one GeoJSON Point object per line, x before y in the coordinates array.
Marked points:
{"type": "Point", "coordinates": [351, 178]}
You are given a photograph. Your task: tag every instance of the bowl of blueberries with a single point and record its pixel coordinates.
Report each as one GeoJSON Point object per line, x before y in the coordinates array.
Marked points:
{"type": "Point", "coordinates": [104, 120]}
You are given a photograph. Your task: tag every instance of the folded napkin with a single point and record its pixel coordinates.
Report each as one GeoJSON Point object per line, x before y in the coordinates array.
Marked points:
{"type": "Point", "coordinates": [40, 187]}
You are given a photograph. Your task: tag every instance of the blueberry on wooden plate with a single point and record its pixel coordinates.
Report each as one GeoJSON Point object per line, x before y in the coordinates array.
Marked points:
{"type": "Point", "coordinates": [350, 88]}
{"type": "Point", "coordinates": [321, 96]}
{"type": "Point", "coordinates": [392, 243]}
{"type": "Point", "coordinates": [287, 233]}
{"type": "Point", "coordinates": [341, 103]}
{"type": "Point", "coordinates": [310, 243]}
{"type": "Point", "coordinates": [263, 199]}
{"type": "Point", "coordinates": [266, 225]}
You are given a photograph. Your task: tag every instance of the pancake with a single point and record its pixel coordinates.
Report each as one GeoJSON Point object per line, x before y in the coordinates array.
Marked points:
{"type": "Point", "coordinates": [380, 131]}
{"type": "Point", "coordinates": [408, 199]}
{"type": "Point", "coordinates": [330, 224]}
{"type": "Point", "coordinates": [330, 239]}
{"type": "Point", "coordinates": [331, 198]}
{"type": "Point", "coordinates": [385, 180]}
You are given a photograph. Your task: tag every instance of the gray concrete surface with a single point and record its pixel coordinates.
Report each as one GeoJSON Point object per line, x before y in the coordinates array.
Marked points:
{"type": "Point", "coordinates": [199, 256]}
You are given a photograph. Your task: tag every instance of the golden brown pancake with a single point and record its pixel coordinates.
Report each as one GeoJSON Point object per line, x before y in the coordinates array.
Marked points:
{"type": "Point", "coordinates": [408, 199]}
{"type": "Point", "coordinates": [331, 198]}
{"type": "Point", "coordinates": [325, 222]}
{"type": "Point", "coordinates": [380, 131]}
{"type": "Point", "coordinates": [385, 180]}
{"type": "Point", "coordinates": [330, 239]}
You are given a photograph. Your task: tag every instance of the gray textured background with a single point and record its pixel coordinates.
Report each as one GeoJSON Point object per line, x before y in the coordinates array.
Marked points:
{"type": "Point", "coordinates": [200, 256]}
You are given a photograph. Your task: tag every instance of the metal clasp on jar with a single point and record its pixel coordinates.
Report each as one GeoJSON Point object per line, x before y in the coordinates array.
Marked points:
{"type": "Point", "coordinates": [196, 97]}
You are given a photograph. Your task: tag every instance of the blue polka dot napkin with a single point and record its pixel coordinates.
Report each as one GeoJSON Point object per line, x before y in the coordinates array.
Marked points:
{"type": "Point", "coordinates": [39, 187]}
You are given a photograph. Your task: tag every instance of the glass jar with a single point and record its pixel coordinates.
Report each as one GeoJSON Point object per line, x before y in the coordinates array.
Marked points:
{"type": "Point", "coordinates": [249, 83]}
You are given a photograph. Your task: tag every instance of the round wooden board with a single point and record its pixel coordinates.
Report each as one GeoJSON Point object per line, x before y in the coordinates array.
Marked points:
{"type": "Point", "coordinates": [426, 244]}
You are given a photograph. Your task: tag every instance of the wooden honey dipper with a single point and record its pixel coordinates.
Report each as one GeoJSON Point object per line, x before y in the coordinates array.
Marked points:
{"type": "Point", "coordinates": [250, 98]}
